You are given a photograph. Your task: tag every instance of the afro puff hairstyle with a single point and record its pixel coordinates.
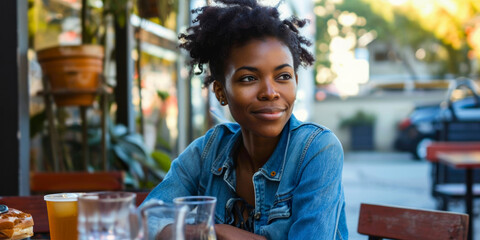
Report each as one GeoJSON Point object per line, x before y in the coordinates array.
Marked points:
{"type": "Point", "coordinates": [217, 29]}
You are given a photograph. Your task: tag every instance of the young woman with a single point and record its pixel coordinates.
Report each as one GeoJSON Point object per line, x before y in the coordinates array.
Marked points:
{"type": "Point", "coordinates": [273, 176]}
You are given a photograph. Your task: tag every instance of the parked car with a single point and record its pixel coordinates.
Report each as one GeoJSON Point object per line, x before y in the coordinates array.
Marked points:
{"type": "Point", "coordinates": [417, 130]}
{"type": "Point", "coordinates": [424, 125]}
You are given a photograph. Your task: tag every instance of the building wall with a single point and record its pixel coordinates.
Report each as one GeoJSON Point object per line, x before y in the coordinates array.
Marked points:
{"type": "Point", "coordinates": [389, 110]}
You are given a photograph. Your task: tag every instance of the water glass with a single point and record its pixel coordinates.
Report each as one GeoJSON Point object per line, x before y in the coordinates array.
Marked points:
{"type": "Point", "coordinates": [199, 221]}
{"type": "Point", "coordinates": [107, 215]}
{"type": "Point", "coordinates": [162, 221]}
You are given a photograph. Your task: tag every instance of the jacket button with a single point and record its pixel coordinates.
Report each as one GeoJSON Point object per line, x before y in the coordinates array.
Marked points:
{"type": "Point", "coordinates": [257, 215]}
{"type": "Point", "coordinates": [273, 173]}
{"type": "Point", "coordinates": [219, 169]}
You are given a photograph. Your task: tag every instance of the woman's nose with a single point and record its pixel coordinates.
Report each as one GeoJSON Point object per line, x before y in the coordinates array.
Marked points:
{"type": "Point", "coordinates": [268, 91]}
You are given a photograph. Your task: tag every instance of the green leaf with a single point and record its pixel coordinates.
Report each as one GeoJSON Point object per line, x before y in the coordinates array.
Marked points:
{"type": "Point", "coordinates": [130, 181]}
{"type": "Point", "coordinates": [122, 154]}
{"type": "Point", "coordinates": [162, 160]}
{"type": "Point", "coordinates": [360, 118]}
{"type": "Point", "coordinates": [118, 130]}
{"type": "Point", "coordinates": [136, 169]}
{"type": "Point", "coordinates": [162, 95]}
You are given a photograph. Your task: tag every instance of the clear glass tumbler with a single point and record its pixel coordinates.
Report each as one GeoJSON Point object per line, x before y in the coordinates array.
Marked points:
{"type": "Point", "coordinates": [199, 220]}
{"type": "Point", "coordinates": [107, 215]}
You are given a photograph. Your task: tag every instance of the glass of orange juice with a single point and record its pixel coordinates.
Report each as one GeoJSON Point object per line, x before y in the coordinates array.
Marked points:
{"type": "Point", "coordinates": [62, 215]}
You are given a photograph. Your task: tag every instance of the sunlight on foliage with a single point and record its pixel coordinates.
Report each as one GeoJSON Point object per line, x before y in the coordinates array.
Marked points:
{"type": "Point", "coordinates": [442, 33]}
{"type": "Point", "coordinates": [446, 19]}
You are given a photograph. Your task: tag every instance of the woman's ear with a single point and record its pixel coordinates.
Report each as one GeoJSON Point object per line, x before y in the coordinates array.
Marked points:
{"type": "Point", "coordinates": [219, 92]}
{"type": "Point", "coordinates": [296, 79]}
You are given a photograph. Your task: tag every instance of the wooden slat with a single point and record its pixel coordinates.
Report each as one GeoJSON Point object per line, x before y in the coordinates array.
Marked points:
{"type": "Point", "coordinates": [42, 182]}
{"type": "Point", "coordinates": [405, 223]}
{"type": "Point", "coordinates": [438, 147]}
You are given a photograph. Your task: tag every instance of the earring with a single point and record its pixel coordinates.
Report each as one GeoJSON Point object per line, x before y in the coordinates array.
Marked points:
{"type": "Point", "coordinates": [223, 102]}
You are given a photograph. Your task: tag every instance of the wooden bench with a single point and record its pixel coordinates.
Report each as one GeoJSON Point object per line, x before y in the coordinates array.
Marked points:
{"type": "Point", "coordinates": [379, 221]}
{"type": "Point", "coordinates": [36, 206]}
{"type": "Point", "coordinates": [443, 187]}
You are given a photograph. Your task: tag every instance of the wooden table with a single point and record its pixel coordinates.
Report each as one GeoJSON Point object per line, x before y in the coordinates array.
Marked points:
{"type": "Point", "coordinates": [467, 160]}
{"type": "Point", "coordinates": [36, 206]}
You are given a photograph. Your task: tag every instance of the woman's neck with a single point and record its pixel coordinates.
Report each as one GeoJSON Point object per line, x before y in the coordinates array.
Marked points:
{"type": "Point", "coordinates": [255, 151]}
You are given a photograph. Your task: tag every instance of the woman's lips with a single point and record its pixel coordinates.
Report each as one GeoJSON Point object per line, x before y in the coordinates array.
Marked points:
{"type": "Point", "coordinates": [269, 114]}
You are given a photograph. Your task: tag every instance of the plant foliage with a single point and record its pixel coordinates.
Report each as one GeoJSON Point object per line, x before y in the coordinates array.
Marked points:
{"type": "Point", "coordinates": [359, 118]}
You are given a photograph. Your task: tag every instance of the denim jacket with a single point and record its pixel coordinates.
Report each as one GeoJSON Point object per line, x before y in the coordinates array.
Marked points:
{"type": "Point", "coordinates": [298, 192]}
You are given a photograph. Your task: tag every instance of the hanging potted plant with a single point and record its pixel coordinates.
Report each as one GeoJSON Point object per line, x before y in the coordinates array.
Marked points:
{"type": "Point", "coordinates": [73, 73]}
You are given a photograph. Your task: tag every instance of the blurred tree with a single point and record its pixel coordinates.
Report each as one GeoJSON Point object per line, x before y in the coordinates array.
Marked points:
{"type": "Point", "coordinates": [443, 29]}
{"type": "Point", "coordinates": [431, 21]}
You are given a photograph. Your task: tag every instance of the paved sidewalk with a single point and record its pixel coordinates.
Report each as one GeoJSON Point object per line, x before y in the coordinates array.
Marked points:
{"type": "Point", "coordinates": [391, 179]}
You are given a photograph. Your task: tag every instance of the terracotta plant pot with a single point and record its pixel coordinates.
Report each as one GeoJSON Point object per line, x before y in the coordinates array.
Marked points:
{"type": "Point", "coordinates": [73, 73]}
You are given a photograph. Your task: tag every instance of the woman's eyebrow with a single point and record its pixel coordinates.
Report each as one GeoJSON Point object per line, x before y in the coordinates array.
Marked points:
{"type": "Point", "coordinates": [283, 66]}
{"type": "Point", "coordinates": [252, 69]}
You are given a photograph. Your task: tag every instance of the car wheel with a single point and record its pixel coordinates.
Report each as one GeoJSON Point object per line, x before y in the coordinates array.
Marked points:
{"type": "Point", "coordinates": [421, 148]}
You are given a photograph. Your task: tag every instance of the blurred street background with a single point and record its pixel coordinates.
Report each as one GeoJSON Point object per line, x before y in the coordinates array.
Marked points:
{"type": "Point", "coordinates": [388, 178]}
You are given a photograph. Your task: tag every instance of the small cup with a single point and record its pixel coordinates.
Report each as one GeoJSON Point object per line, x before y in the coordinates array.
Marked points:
{"type": "Point", "coordinates": [62, 215]}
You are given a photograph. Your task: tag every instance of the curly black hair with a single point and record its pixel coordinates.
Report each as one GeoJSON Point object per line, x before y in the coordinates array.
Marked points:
{"type": "Point", "coordinates": [217, 29]}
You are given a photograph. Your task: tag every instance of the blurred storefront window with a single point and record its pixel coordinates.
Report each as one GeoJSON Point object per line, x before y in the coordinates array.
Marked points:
{"type": "Point", "coordinates": [158, 83]}
{"type": "Point", "coordinates": [50, 23]}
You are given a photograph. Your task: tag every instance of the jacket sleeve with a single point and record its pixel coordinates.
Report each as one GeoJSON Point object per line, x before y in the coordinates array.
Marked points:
{"type": "Point", "coordinates": [183, 177]}
{"type": "Point", "coordinates": [318, 204]}
{"type": "Point", "coordinates": [181, 180]}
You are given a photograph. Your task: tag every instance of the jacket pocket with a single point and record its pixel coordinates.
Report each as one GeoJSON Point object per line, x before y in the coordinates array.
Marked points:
{"type": "Point", "coordinates": [281, 211]}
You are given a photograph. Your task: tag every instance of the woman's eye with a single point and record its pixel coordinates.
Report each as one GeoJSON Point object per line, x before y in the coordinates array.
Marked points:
{"type": "Point", "coordinates": [247, 79]}
{"type": "Point", "coordinates": [285, 77]}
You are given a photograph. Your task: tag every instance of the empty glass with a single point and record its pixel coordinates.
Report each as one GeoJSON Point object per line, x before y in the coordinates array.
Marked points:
{"type": "Point", "coordinates": [113, 216]}
{"type": "Point", "coordinates": [199, 222]}
{"type": "Point", "coordinates": [107, 215]}
{"type": "Point", "coordinates": [162, 221]}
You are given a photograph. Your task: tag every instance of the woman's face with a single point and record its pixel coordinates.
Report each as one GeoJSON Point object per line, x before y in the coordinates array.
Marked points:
{"type": "Point", "coordinates": [260, 86]}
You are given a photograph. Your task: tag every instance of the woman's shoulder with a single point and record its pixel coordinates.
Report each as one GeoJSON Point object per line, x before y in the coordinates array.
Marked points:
{"type": "Point", "coordinates": [310, 130]}
{"type": "Point", "coordinates": [217, 134]}
{"type": "Point", "coordinates": [222, 130]}
{"type": "Point", "coordinates": [297, 125]}
{"type": "Point", "coordinates": [314, 137]}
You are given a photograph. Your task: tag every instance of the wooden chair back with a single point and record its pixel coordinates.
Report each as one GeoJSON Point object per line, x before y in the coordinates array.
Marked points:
{"type": "Point", "coordinates": [379, 221]}
{"type": "Point", "coordinates": [53, 182]}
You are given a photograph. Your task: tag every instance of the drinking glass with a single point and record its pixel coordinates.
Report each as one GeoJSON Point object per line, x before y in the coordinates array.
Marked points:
{"type": "Point", "coordinates": [199, 222]}
{"type": "Point", "coordinates": [62, 215]}
{"type": "Point", "coordinates": [107, 215]}
{"type": "Point", "coordinates": [162, 221]}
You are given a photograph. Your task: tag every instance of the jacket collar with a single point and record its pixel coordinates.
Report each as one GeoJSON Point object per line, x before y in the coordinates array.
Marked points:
{"type": "Point", "coordinates": [273, 168]}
